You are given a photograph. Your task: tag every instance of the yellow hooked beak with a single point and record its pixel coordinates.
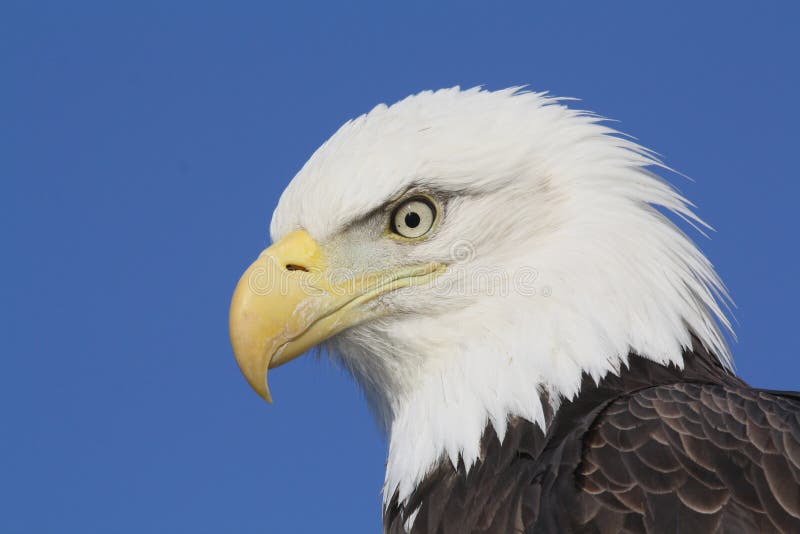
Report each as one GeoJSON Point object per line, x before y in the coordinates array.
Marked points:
{"type": "Point", "coordinates": [286, 302]}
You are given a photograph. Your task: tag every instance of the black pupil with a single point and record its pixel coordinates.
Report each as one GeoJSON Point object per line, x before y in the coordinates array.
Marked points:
{"type": "Point", "coordinates": [412, 220]}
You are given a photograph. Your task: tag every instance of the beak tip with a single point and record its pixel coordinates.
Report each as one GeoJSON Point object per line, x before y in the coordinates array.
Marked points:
{"type": "Point", "coordinates": [258, 382]}
{"type": "Point", "coordinates": [262, 389]}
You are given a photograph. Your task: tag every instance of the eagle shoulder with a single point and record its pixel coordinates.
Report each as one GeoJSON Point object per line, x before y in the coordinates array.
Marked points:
{"type": "Point", "coordinates": [690, 457]}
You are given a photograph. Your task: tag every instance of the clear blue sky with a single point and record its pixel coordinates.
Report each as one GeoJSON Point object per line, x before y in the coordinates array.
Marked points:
{"type": "Point", "coordinates": [143, 149]}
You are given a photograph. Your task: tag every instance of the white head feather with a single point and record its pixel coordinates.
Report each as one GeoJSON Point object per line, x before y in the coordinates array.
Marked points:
{"type": "Point", "coordinates": [560, 263]}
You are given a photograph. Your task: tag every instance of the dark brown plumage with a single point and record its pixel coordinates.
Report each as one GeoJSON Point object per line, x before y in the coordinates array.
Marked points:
{"type": "Point", "coordinates": [655, 449]}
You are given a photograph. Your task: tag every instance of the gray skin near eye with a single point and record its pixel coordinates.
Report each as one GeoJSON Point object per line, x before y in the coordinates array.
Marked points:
{"type": "Point", "coordinates": [414, 218]}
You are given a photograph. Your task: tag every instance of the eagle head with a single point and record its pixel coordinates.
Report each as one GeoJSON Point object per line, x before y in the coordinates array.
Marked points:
{"type": "Point", "coordinates": [468, 256]}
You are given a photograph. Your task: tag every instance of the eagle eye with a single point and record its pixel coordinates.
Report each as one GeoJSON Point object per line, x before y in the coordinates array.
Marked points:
{"type": "Point", "coordinates": [413, 218]}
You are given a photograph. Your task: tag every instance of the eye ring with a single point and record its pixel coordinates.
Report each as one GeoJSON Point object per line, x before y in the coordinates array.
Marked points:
{"type": "Point", "coordinates": [413, 218]}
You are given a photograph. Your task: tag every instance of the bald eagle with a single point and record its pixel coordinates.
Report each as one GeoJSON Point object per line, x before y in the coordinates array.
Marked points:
{"type": "Point", "coordinates": [542, 345]}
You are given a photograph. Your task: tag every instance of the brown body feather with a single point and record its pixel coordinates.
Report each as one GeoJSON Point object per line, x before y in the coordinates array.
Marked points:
{"type": "Point", "coordinates": [655, 449]}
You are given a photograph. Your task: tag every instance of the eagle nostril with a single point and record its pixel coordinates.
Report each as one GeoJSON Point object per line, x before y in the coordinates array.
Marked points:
{"type": "Point", "coordinates": [295, 267]}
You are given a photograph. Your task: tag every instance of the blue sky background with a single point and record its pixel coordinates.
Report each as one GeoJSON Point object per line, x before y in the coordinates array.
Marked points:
{"type": "Point", "coordinates": [143, 148]}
